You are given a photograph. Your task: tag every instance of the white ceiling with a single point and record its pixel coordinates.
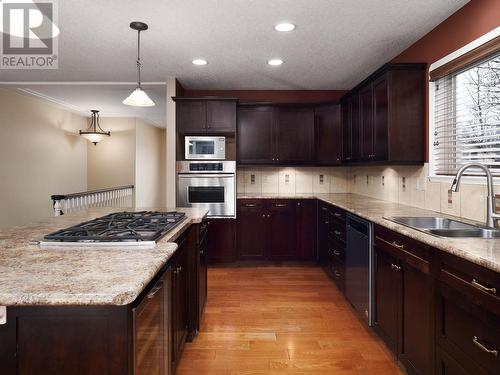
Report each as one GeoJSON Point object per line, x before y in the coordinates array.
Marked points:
{"type": "Point", "coordinates": [103, 97]}
{"type": "Point", "coordinates": [336, 44]}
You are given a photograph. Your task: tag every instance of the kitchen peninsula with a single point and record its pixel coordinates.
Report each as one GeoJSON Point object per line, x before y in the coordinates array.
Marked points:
{"type": "Point", "coordinates": [133, 307]}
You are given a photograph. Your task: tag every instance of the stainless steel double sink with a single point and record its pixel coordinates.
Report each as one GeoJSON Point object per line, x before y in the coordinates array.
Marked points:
{"type": "Point", "coordinates": [444, 227]}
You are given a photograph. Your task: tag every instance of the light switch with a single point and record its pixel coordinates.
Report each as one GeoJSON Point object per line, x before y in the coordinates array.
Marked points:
{"type": "Point", "coordinates": [287, 179]}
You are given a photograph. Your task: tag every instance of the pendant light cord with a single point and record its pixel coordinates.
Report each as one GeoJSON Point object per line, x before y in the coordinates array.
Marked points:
{"type": "Point", "coordinates": [139, 58]}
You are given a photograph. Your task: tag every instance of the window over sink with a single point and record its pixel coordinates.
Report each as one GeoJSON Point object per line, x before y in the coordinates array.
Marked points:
{"type": "Point", "coordinates": [465, 111]}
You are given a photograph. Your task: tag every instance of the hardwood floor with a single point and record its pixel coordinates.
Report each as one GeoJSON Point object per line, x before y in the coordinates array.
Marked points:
{"type": "Point", "coordinates": [281, 320]}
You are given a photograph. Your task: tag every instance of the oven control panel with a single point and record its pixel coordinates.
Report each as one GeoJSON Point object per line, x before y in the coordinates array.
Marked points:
{"type": "Point", "coordinates": [203, 167]}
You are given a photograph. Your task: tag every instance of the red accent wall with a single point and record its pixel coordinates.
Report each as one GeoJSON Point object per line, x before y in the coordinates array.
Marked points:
{"type": "Point", "coordinates": [273, 96]}
{"type": "Point", "coordinates": [473, 20]}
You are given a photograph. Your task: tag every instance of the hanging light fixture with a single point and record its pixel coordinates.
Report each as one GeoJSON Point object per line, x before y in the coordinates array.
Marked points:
{"type": "Point", "coordinates": [94, 133]}
{"type": "Point", "coordinates": [139, 98]}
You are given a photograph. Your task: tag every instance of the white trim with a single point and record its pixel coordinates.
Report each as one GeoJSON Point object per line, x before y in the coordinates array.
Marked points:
{"type": "Point", "coordinates": [467, 48]}
{"type": "Point", "coordinates": [57, 102]}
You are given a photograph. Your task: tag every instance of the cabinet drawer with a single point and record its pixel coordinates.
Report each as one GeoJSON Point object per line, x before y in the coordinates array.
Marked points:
{"type": "Point", "coordinates": [479, 284]}
{"type": "Point", "coordinates": [336, 269]}
{"type": "Point", "coordinates": [336, 250]}
{"type": "Point", "coordinates": [338, 232]}
{"type": "Point", "coordinates": [337, 215]}
{"type": "Point", "coordinates": [447, 365]}
{"type": "Point", "coordinates": [415, 253]}
{"type": "Point", "coordinates": [467, 331]}
{"type": "Point", "coordinates": [251, 203]}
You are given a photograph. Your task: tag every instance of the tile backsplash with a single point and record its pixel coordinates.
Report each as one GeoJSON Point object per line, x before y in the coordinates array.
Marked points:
{"type": "Point", "coordinates": [288, 180]}
{"type": "Point", "coordinates": [408, 185]}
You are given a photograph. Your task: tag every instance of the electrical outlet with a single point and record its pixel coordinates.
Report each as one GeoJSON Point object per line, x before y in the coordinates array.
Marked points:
{"type": "Point", "coordinates": [403, 179]}
{"type": "Point", "coordinates": [287, 179]}
{"type": "Point", "coordinates": [383, 180]}
{"type": "Point", "coordinates": [367, 179]}
{"type": "Point", "coordinates": [252, 179]}
{"type": "Point", "coordinates": [321, 179]}
{"type": "Point", "coordinates": [450, 198]}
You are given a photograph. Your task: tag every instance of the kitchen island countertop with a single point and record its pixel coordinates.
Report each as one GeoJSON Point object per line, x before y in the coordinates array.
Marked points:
{"type": "Point", "coordinates": [30, 275]}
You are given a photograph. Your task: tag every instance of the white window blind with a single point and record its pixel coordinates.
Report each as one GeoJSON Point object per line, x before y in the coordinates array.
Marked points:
{"type": "Point", "coordinates": [467, 118]}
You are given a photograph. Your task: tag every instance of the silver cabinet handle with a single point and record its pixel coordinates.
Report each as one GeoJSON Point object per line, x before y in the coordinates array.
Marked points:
{"type": "Point", "coordinates": [337, 232]}
{"type": "Point", "coordinates": [482, 287]}
{"type": "Point", "coordinates": [395, 267]}
{"type": "Point", "coordinates": [280, 205]}
{"type": "Point", "coordinates": [336, 214]}
{"type": "Point", "coordinates": [155, 290]}
{"type": "Point", "coordinates": [337, 274]}
{"type": "Point", "coordinates": [250, 205]}
{"type": "Point", "coordinates": [327, 222]}
{"type": "Point", "coordinates": [335, 252]}
{"type": "Point", "coordinates": [394, 243]}
{"type": "Point", "coordinates": [323, 208]}
{"type": "Point", "coordinates": [202, 252]}
{"type": "Point", "coordinates": [476, 342]}
{"type": "Point", "coordinates": [3, 315]}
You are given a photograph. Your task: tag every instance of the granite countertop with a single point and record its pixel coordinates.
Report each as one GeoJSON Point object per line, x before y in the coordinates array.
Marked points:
{"type": "Point", "coordinates": [484, 252]}
{"type": "Point", "coordinates": [30, 275]}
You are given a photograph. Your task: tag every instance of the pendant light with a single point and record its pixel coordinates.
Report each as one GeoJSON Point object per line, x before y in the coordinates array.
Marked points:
{"type": "Point", "coordinates": [139, 98]}
{"type": "Point", "coordinates": [94, 133]}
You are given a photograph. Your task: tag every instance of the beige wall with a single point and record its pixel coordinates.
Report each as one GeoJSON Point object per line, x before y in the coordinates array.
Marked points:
{"type": "Point", "coordinates": [149, 165]}
{"type": "Point", "coordinates": [112, 162]}
{"type": "Point", "coordinates": [133, 155]}
{"type": "Point", "coordinates": [40, 155]}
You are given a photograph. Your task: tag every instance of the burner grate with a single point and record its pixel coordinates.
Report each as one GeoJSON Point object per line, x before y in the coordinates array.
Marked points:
{"type": "Point", "coordinates": [121, 226]}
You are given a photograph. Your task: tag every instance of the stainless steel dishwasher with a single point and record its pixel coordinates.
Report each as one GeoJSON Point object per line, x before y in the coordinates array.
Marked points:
{"type": "Point", "coordinates": [359, 266]}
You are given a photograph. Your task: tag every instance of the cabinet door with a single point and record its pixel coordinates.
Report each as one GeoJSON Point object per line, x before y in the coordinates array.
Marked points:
{"type": "Point", "coordinates": [380, 119]}
{"type": "Point", "coordinates": [202, 274]}
{"type": "Point", "coordinates": [221, 116]}
{"type": "Point", "coordinates": [251, 237]}
{"type": "Point", "coordinates": [347, 129]}
{"type": "Point", "coordinates": [220, 240]}
{"type": "Point", "coordinates": [366, 118]}
{"type": "Point", "coordinates": [255, 135]}
{"type": "Point", "coordinates": [149, 333]}
{"type": "Point", "coordinates": [387, 298]}
{"type": "Point", "coordinates": [179, 304]}
{"type": "Point", "coordinates": [191, 116]}
{"type": "Point", "coordinates": [417, 339]}
{"type": "Point", "coordinates": [281, 224]}
{"type": "Point", "coordinates": [328, 135]}
{"type": "Point", "coordinates": [306, 228]}
{"type": "Point", "coordinates": [355, 127]}
{"type": "Point", "coordinates": [323, 227]}
{"type": "Point", "coordinates": [295, 136]}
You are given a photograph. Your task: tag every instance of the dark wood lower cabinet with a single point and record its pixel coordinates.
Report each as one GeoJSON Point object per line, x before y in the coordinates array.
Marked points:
{"type": "Point", "coordinates": [145, 337]}
{"type": "Point", "coordinates": [388, 284]}
{"type": "Point", "coordinates": [252, 234]}
{"type": "Point", "coordinates": [306, 210]}
{"type": "Point", "coordinates": [282, 231]}
{"type": "Point", "coordinates": [220, 240]}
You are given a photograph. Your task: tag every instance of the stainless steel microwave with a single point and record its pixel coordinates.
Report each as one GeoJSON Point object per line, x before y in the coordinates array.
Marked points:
{"type": "Point", "coordinates": [204, 148]}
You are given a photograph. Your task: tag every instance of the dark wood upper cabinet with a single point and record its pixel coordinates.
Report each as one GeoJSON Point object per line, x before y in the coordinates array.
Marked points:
{"type": "Point", "coordinates": [351, 128]}
{"type": "Point", "coordinates": [295, 136]}
{"type": "Point", "coordinates": [276, 135]}
{"type": "Point", "coordinates": [203, 115]}
{"type": "Point", "coordinates": [191, 116]}
{"type": "Point", "coordinates": [221, 116]}
{"type": "Point", "coordinates": [256, 135]}
{"type": "Point", "coordinates": [329, 139]}
{"type": "Point", "coordinates": [391, 116]}
{"type": "Point", "coordinates": [366, 121]}
{"type": "Point", "coordinates": [380, 119]}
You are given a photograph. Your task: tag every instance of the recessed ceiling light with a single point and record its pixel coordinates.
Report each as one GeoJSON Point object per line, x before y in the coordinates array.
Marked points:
{"type": "Point", "coordinates": [275, 62]}
{"type": "Point", "coordinates": [284, 27]}
{"type": "Point", "coordinates": [199, 62]}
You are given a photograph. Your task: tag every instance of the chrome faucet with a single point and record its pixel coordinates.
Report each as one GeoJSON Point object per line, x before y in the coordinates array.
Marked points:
{"type": "Point", "coordinates": [492, 217]}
